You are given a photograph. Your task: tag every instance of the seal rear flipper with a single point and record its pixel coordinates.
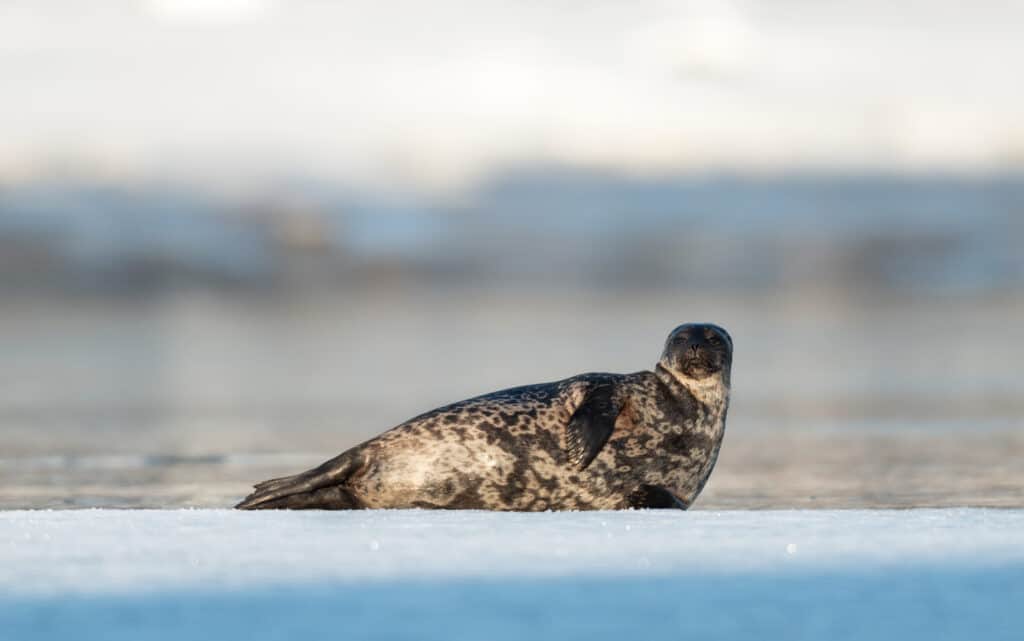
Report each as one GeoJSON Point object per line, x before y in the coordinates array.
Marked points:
{"type": "Point", "coordinates": [591, 425]}
{"type": "Point", "coordinates": [332, 473]}
{"type": "Point", "coordinates": [326, 498]}
{"type": "Point", "coordinates": [654, 497]}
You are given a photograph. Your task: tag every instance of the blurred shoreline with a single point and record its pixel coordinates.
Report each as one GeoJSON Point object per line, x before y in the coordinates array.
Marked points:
{"type": "Point", "coordinates": [541, 228]}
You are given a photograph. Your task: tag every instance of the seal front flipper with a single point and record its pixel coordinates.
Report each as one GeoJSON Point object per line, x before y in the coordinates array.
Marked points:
{"type": "Point", "coordinates": [654, 497]}
{"type": "Point", "coordinates": [591, 424]}
{"type": "Point", "coordinates": [316, 488]}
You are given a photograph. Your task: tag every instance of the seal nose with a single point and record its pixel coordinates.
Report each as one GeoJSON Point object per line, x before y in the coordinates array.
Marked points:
{"type": "Point", "coordinates": [694, 344]}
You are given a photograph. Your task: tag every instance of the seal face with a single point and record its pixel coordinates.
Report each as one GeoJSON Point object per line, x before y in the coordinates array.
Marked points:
{"type": "Point", "coordinates": [594, 441]}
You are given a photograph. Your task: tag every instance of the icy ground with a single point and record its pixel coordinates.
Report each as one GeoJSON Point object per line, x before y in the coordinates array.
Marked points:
{"type": "Point", "coordinates": [632, 576]}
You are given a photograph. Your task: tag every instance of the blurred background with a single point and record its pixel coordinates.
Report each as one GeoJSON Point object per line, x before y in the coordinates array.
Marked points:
{"type": "Point", "coordinates": [240, 236]}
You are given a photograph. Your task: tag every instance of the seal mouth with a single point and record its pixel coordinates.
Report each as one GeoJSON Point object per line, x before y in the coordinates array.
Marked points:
{"type": "Point", "coordinates": [699, 365]}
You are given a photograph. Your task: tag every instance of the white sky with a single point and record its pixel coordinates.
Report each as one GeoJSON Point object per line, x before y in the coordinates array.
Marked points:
{"type": "Point", "coordinates": [436, 93]}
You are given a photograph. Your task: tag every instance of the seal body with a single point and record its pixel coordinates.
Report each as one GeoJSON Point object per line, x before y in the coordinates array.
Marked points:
{"type": "Point", "coordinates": [593, 441]}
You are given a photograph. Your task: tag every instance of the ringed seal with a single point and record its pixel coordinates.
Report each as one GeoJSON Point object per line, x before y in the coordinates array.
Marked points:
{"type": "Point", "coordinates": [591, 442]}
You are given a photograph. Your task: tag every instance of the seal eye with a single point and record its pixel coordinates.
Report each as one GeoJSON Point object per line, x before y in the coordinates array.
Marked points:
{"type": "Point", "coordinates": [715, 340]}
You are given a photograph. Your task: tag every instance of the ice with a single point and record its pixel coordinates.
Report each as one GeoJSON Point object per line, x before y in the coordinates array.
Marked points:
{"type": "Point", "coordinates": [172, 574]}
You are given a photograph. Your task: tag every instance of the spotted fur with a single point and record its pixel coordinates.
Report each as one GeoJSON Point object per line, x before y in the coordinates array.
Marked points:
{"type": "Point", "coordinates": [517, 449]}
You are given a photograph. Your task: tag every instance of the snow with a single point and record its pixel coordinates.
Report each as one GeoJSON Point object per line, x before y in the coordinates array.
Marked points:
{"type": "Point", "coordinates": [173, 574]}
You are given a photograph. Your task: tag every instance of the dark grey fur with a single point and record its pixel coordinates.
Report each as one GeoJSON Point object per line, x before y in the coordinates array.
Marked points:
{"type": "Point", "coordinates": [593, 441]}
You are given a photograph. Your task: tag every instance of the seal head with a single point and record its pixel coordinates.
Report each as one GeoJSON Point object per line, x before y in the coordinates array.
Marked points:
{"type": "Point", "coordinates": [698, 351]}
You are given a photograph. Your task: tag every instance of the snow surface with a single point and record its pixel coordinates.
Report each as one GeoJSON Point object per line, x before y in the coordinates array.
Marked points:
{"type": "Point", "coordinates": [219, 574]}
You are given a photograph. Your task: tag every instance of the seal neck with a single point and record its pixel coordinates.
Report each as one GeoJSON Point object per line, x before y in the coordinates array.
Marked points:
{"type": "Point", "coordinates": [712, 391]}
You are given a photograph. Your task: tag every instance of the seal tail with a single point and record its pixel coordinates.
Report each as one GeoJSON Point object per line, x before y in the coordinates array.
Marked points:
{"type": "Point", "coordinates": [320, 488]}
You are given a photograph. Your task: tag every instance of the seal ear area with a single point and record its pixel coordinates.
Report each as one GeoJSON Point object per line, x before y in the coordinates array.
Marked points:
{"type": "Point", "coordinates": [591, 424]}
{"type": "Point", "coordinates": [718, 329]}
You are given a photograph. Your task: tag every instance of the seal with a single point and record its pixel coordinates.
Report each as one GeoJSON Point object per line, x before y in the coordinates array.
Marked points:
{"type": "Point", "coordinates": [595, 441]}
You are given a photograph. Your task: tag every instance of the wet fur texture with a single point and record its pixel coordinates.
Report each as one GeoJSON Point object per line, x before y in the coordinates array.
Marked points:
{"type": "Point", "coordinates": [593, 441]}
